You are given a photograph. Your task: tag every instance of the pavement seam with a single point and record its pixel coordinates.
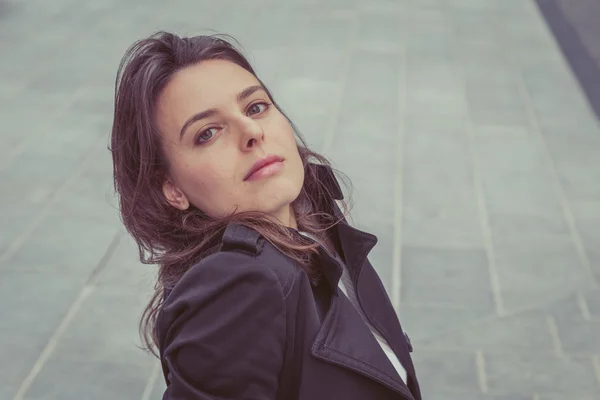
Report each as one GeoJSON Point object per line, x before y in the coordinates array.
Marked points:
{"type": "Point", "coordinates": [112, 246]}
{"type": "Point", "coordinates": [484, 220]}
{"type": "Point", "coordinates": [596, 364]}
{"type": "Point", "coordinates": [398, 187]}
{"type": "Point", "coordinates": [343, 78]}
{"type": "Point", "coordinates": [151, 382]}
{"type": "Point", "coordinates": [583, 307]}
{"type": "Point", "coordinates": [553, 328]}
{"type": "Point", "coordinates": [560, 191]}
{"type": "Point", "coordinates": [53, 342]}
{"type": "Point", "coordinates": [509, 314]}
{"type": "Point", "coordinates": [20, 239]}
{"type": "Point", "coordinates": [40, 129]}
{"type": "Point", "coordinates": [489, 350]}
{"type": "Point", "coordinates": [85, 292]}
{"type": "Point", "coordinates": [481, 375]}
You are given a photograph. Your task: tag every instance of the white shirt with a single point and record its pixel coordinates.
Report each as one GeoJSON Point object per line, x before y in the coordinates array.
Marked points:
{"type": "Point", "coordinates": [347, 287]}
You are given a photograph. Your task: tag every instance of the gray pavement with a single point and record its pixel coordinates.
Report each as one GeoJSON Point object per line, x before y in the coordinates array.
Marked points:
{"type": "Point", "coordinates": [473, 153]}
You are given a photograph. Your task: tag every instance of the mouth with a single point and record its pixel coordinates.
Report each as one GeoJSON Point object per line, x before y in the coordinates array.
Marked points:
{"type": "Point", "coordinates": [264, 167]}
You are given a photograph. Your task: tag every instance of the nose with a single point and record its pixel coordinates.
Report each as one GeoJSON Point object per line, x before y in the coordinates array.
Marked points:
{"type": "Point", "coordinates": [252, 133]}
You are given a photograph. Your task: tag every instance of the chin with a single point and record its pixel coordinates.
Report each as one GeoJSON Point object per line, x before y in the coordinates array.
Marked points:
{"type": "Point", "coordinates": [277, 196]}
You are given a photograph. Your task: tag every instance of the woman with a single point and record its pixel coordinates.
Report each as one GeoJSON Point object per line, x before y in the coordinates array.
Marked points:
{"type": "Point", "coordinates": [264, 291]}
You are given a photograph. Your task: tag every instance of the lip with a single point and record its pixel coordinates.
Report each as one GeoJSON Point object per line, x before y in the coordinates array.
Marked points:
{"type": "Point", "coordinates": [263, 162]}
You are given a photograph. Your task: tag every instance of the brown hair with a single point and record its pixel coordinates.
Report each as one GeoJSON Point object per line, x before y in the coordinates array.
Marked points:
{"type": "Point", "coordinates": [171, 238]}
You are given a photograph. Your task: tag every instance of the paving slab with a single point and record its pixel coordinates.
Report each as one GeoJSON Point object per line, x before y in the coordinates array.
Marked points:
{"type": "Point", "coordinates": [472, 157]}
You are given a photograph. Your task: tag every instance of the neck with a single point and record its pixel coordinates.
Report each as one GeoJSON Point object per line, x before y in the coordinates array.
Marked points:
{"type": "Point", "coordinates": [287, 217]}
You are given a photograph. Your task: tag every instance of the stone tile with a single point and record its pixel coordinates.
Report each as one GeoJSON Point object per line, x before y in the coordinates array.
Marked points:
{"type": "Point", "coordinates": [515, 177]}
{"type": "Point", "coordinates": [443, 126]}
{"type": "Point", "coordinates": [312, 127]}
{"type": "Point", "coordinates": [159, 388]}
{"type": "Point", "coordinates": [398, 8]}
{"type": "Point", "coordinates": [470, 396]}
{"type": "Point", "coordinates": [580, 396]}
{"type": "Point", "coordinates": [372, 78]}
{"type": "Point", "coordinates": [520, 373]}
{"type": "Point", "coordinates": [500, 131]}
{"type": "Point", "coordinates": [123, 270]}
{"type": "Point", "coordinates": [433, 21]}
{"type": "Point", "coordinates": [327, 31]}
{"type": "Point", "coordinates": [372, 194]}
{"type": "Point", "coordinates": [306, 61]}
{"type": "Point", "coordinates": [581, 127]}
{"type": "Point", "coordinates": [105, 329]}
{"type": "Point", "coordinates": [58, 243]}
{"type": "Point", "coordinates": [590, 235]}
{"type": "Point", "coordinates": [88, 380]}
{"type": "Point", "coordinates": [592, 300]}
{"type": "Point", "coordinates": [577, 164]}
{"type": "Point", "coordinates": [579, 337]}
{"type": "Point", "coordinates": [528, 232]}
{"type": "Point", "coordinates": [446, 226]}
{"type": "Point", "coordinates": [523, 333]}
{"type": "Point", "coordinates": [430, 45]}
{"type": "Point", "coordinates": [446, 371]}
{"type": "Point", "coordinates": [450, 277]}
{"type": "Point", "coordinates": [564, 310]}
{"type": "Point", "coordinates": [425, 323]}
{"type": "Point", "coordinates": [380, 32]}
{"type": "Point", "coordinates": [35, 304]}
{"type": "Point", "coordinates": [41, 167]}
{"type": "Point", "coordinates": [464, 59]}
{"type": "Point", "coordinates": [436, 168]}
{"type": "Point", "coordinates": [488, 76]}
{"type": "Point", "coordinates": [535, 276]}
{"type": "Point", "coordinates": [429, 78]}
{"type": "Point", "coordinates": [547, 103]}
{"type": "Point", "coordinates": [498, 113]}
{"type": "Point", "coordinates": [7, 392]}
{"type": "Point", "coordinates": [305, 96]}
{"type": "Point", "coordinates": [351, 125]}
{"type": "Point", "coordinates": [436, 103]}
{"type": "Point", "coordinates": [23, 350]}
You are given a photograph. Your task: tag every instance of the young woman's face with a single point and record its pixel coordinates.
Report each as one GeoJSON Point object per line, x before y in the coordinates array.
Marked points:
{"type": "Point", "coordinates": [219, 127]}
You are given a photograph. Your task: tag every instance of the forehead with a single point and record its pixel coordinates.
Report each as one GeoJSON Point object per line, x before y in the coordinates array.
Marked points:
{"type": "Point", "coordinates": [208, 84]}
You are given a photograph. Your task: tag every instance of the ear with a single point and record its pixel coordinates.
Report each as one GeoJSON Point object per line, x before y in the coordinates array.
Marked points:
{"type": "Point", "coordinates": [175, 195]}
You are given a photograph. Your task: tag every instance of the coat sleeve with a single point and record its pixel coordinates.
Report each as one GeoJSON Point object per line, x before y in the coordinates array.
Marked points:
{"type": "Point", "coordinates": [226, 335]}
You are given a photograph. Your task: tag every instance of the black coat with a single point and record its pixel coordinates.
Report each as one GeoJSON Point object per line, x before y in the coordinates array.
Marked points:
{"type": "Point", "coordinates": [245, 323]}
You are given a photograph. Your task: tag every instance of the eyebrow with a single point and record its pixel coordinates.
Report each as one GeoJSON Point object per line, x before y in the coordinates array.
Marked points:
{"type": "Point", "coordinates": [243, 95]}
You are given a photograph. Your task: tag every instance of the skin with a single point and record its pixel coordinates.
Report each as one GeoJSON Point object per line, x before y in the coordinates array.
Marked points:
{"type": "Point", "coordinates": [210, 159]}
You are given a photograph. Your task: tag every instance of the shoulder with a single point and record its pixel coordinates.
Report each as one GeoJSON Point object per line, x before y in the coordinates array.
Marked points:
{"type": "Point", "coordinates": [244, 264]}
{"type": "Point", "coordinates": [230, 306]}
{"type": "Point", "coordinates": [243, 253]}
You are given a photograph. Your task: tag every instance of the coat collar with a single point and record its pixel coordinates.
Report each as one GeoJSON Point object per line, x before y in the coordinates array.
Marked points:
{"type": "Point", "coordinates": [359, 351]}
{"type": "Point", "coordinates": [344, 339]}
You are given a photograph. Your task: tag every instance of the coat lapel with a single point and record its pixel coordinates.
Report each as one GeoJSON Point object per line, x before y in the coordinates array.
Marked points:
{"type": "Point", "coordinates": [345, 340]}
{"type": "Point", "coordinates": [371, 293]}
{"type": "Point", "coordinates": [360, 350]}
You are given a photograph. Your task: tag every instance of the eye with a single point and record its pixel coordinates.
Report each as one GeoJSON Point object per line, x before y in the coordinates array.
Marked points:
{"type": "Point", "coordinates": [205, 135]}
{"type": "Point", "coordinates": [257, 108]}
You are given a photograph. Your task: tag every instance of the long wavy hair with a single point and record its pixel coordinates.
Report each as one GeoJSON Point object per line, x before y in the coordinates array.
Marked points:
{"type": "Point", "coordinates": [174, 239]}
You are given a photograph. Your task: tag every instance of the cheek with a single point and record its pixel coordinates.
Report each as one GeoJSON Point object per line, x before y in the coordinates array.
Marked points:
{"type": "Point", "coordinates": [203, 175]}
{"type": "Point", "coordinates": [207, 181]}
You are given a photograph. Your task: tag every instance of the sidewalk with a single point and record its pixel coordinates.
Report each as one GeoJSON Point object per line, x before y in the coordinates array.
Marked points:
{"type": "Point", "coordinates": [473, 153]}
